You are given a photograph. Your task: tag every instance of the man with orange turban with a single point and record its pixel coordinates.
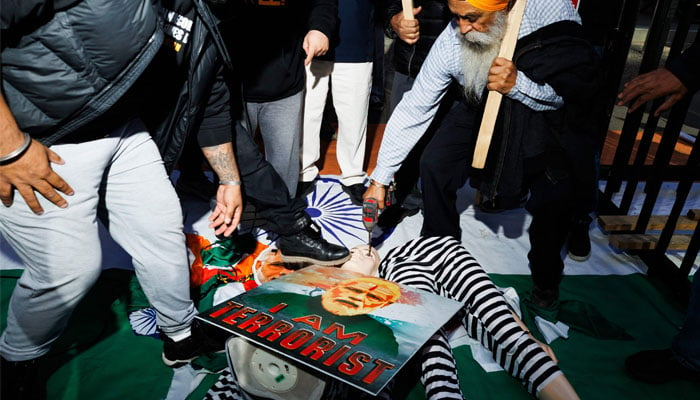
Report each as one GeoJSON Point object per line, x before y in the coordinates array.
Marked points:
{"type": "Point", "coordinates": [542, 139]}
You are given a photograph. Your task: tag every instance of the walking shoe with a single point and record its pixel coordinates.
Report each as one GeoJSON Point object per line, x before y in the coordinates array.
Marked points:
{"type": "Point", "coordinates": [544, 298]}
{"type": "Point", "coordinates": [307, 246]}
{"type": "Point", "coordinates": [579, 243]}
{"type": "Point", "coordinates": [355, 192]}
{"type": "Point", "coordinates": [203, 339]}
{"type": "Point", "coordinates": [21, 380]}
{"type": "Point", "coordinates": [658, 366]}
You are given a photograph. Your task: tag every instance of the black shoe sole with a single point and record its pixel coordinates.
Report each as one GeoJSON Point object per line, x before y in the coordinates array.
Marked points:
{"type": "Point", "coordinates": [579, 258]}
{"type": "Point", "coordinates": [175, 363]}
{"type": "Point", "coordinates": [303, 259]}
{"type": "Point", "coordinates": [179, 363]}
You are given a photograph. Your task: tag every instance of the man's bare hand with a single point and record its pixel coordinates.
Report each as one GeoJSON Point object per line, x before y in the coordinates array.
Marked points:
{"type": "Point", "coordinates": [502, 75]}
{"type": "Point", "coordinates": [316, 44]}
{"type": "Point", "coordinates": [652, 85]}
{"type": "Point", "coordinates": [407, 30]}
{"type": "Point", "coordinates": [377, 193]}
{"type": "Point", "coordinates": [32, 172]}
{"type": "Point", "coordinates": [227, 213]}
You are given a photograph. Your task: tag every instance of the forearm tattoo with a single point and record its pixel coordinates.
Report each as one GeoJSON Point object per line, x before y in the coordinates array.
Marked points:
{"type": "Point", "coordinates": [222, 161]}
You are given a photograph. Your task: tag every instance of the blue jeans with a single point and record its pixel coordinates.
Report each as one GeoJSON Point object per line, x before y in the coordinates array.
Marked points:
{"type": "Point", "coordinates": [686, 345]}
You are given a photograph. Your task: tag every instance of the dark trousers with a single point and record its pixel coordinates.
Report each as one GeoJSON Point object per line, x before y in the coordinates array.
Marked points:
{"type": "Point", "coordinates": [550, 205]}
{"type": "Point", "coordinates": [406, 178]}
{"type": "Point", "coordinates": [444, 169]}
{"type": "Point", "coordinates": [265, 189]}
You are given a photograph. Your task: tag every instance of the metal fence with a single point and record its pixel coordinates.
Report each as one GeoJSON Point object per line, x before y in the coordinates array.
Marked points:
{"type": "Point", "coordinates": [670, 23]}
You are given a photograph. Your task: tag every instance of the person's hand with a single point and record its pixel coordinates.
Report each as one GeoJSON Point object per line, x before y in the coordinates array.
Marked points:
{"type": "Point", "coordinates": [375, 192]}
{"type": "Point", "coordinates": [502, 75]}
{"type": "Point", "coordinates": [32, 172]}
{"type": "Point", "coordinates": [407, 30]}
{"type": "Point", "coordinates": [316, 44]}
{"type": "Point", "coordinates": [227, 213]}
{"type": "Point", "coordinates": [649, 86]}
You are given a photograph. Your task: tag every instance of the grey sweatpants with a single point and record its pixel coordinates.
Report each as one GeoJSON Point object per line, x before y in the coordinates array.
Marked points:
{"type": "Point", "coordinates": [122, 178]}
{"type": "Point", "coordinates": [280, 126]}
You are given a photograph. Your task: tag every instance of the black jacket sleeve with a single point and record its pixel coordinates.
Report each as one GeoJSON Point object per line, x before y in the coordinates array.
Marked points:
{"type": "Point", "coordinates": [324, 16]}
{"type": "Point", "coordinates": [216, 126]}
{"type": "Point", "coordinates": [687, 66]}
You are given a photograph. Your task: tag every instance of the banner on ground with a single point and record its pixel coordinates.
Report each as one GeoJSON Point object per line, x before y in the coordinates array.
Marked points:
{"type": "Point", "coordinates": [358, 329]}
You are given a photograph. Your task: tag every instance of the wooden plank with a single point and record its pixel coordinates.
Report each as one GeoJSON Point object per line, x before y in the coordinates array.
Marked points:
{"type": "Point", "coordinates": [616, 223]}
{"type": "Point", "coordinates": [407, 9]}
{"type": "Point", "coordinates": [493, 100]}
{"type": "Point", "coordinates": [694, 214]}
{"type": "Point", "coordinates": [624, 241]}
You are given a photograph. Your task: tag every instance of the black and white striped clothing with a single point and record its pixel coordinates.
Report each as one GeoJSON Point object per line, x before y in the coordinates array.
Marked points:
{"type": "Point", "coordinates": [443, 266]}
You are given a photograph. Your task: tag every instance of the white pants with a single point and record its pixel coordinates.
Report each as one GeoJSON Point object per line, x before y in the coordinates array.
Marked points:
{"type": "Point", "coordinates": [351, 84]}
{"type": "Point", "coordinates": [120, 178]}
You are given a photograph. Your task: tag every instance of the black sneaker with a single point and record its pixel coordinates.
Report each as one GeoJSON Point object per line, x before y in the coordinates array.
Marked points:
{"type": "Point", "coordinates": [355, 192]}
{"type": "Point", "coordinates": [658, 366]}
{"type": "Point", "coordinates": [544, 298]}
{"type": "Point", "coordinates": [308, 246]}
{"type": "Point", "coordinates": [204, 339]}
{"type": "Point", "coordinates": [21, 380]}
{"type": "Point", "coordinates": [579, 243]}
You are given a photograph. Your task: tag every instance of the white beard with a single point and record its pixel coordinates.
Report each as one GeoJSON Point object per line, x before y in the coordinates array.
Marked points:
{"type": "Point", "coordinates": [479, 49]}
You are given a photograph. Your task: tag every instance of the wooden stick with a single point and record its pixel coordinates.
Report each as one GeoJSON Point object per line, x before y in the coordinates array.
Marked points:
{"type": "Point", "coordinates": [407, 9]}
{"type": "Point", "coordinates": [493, 101]}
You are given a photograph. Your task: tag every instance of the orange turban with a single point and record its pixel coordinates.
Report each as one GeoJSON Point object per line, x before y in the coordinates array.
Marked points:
{"type": "Point", "coordinates": [489, 5]}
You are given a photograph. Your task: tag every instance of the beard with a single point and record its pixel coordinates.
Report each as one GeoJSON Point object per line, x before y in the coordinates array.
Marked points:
{"type": "Point", "coordinates": [479, 49]}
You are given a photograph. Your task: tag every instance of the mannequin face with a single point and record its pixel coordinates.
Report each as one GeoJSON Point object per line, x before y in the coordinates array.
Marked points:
{"type": "Point", "coordinates": [359, 296]}
{"type": "Point", "coordinates": [361, 262]}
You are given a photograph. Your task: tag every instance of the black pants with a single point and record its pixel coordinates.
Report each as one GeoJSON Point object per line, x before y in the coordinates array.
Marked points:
{"type": "Point", "coordinates": [444, 169]}
{"type": "Point", "coordinates": [406, 177]}
{"type": "Point", "coordinates": [265, 189]}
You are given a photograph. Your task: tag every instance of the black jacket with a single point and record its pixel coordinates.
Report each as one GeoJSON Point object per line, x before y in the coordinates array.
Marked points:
{"type": "Point", "coordinates": [268, 37]}
{"type": "Point", "coordinates": [433, 18]}
{"type": "Point", "coordinates": [63, 65]}
{"type": "Point", "coordinates": [560, 143]}
{"type": "Point", "coordinates": [687, 66]}
{"type": "Point", "coordinates": [184, 87]}
{"type": "Point", "coordinates": [177, 89]}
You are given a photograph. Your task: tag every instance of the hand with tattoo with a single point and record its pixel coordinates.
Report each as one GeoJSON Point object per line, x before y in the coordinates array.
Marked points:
{"type": "Point", "coordinates": [229, 200]}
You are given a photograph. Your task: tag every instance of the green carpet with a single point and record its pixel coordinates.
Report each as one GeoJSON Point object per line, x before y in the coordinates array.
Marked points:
{"type": "Point", "coordinates": [100, 358]}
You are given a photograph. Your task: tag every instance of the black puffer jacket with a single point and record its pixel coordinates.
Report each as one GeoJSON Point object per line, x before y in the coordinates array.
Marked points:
{"type": "Point", "coordinates": [59, 68]}
{"type": "Point", "coordinates": [433, 18]}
